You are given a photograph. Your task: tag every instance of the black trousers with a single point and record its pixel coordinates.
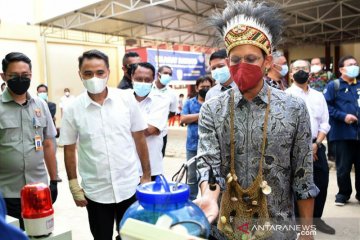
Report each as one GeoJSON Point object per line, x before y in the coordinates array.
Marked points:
{"type": "Point", "coordinates": [13, 207]}
{"type": "Point", "coordinates": [347, 153]}
{"type": "Point", "coordinates": [331, 148]}
{"type": "Point", "coordinates": [164, 145]}
{"type": "Point", "coordinates": [101, 217]}
{"type": "Point", "coordinates": [321, 180]}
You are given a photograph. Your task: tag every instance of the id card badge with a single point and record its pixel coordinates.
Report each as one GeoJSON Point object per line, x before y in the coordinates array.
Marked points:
{"type": "Point", "coordinates": [358, 102]}
{"type": "Point", "coordinates": [38, 143]}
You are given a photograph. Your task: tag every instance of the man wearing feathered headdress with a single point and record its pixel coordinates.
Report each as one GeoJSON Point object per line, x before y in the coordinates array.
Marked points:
{"type": "Point", "coordinates": [255, 143]}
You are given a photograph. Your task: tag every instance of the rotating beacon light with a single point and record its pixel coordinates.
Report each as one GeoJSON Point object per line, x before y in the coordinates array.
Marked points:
{"type": "Point", "coordinates": [37, 210]}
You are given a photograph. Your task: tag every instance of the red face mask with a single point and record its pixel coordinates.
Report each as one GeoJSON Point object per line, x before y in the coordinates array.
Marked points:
{"type": "Point", "coordinates": [245, 75]}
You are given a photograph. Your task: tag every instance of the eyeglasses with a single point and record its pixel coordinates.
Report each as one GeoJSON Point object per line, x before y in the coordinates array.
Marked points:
{"type": "Point", "coordinates": [250, 59]}
{"type": "Point", "coordinates": [295, 69]}
{"type": "Point", "coordinates": [23, 75]}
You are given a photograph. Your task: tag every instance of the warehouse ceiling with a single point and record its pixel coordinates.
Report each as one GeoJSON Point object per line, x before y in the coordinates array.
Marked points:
{"type": "Point", "coordinates": [183, 21]}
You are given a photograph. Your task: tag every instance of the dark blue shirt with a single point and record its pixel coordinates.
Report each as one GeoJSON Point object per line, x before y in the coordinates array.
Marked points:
{"type": "Point", "coordinates": [345, 100]}
{"type": "Point", "coordinates": [192, 106]}
{"type": "Point", "coordinates": [8, 231]}
{"type": "Point", "coordinates": [52, 108]}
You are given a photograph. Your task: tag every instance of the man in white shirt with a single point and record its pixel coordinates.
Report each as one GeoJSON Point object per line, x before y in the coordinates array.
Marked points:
{"type": "Point", "coordinates": [319, 120]}
{"type": "Point", "coordinates": [220, 73]}
{"type": "Point", "coordinates": [109, 128]}
{"type": "Point", "coordinates": [65, 100]}
{"type": "Point", "coordinates": [154, 107]}
{"type": "Point", "coordinates": [161, 86]}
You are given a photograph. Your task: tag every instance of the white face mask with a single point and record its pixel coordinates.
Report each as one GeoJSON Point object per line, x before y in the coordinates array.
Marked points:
{"type": "Point", "coordinates": [95, 85]}
{"type": "Point", "coordinates": [315, 68]}
{"type": "Point", "coordinates": [284, 70]}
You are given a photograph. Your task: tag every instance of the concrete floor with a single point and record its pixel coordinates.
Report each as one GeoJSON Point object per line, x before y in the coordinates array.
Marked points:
{"type": "Point", "coordinates": [346, 219]}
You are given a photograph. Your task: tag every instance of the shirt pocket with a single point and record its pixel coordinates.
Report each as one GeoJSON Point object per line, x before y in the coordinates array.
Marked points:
{"type": "Point", "coordinates": [10, 130]}
{"type": "Point", "coordinates": [277, 155]}
{"type": "Point", "coordinates": [40, 125]}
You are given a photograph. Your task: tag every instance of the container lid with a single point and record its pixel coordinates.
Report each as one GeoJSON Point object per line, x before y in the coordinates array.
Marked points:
{"type": "Point", "coordinates": [162, 192]}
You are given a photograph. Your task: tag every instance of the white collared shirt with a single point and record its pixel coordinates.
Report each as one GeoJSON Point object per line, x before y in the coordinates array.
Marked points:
{"type": "Point", "coordinates": [155, 110]}
{"type": "Point", "coordinates": [317, 108]}
{"type": "Point", "coordinates": [169, 93]}
{"type": "Point", "coordinates": [65, 101]}
{"type": "Point", "coordinates": [107, 152]}
{"type": "Point", "coordinates": [216, 90]}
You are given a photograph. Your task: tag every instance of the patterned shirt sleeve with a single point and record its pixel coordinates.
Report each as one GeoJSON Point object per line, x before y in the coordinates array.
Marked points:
{"type": "Point", "coordinates": [302, 158]}
{"type": "Point", "coordinates": [208, 147]}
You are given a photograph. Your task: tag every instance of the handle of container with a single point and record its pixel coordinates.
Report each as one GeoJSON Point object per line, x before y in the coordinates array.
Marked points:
{"type": "Point", "coordinates": [161, 181]}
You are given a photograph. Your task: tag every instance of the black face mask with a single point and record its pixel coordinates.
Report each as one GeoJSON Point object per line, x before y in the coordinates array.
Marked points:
{"type": "Point", "coordinates": [301, 77]}
{"type": "Point", "coordinates": [202, 92]}
{"type": "Point", "coordinates": [19, 85]}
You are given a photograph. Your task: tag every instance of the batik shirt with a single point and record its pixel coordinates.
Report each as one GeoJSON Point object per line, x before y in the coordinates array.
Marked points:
{"type": "Point", "coordinates": [281, 85]}
{"type": "Point", "coordinates": [319, 80]}
{"type": "Point", "coordinates": [288, 164]}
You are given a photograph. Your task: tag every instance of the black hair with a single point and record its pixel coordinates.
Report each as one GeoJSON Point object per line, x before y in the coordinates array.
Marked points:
{"type": "Point", "coordinates": [266, 15]}
{"type": "Point", "coordinates": [162, 68]}
{"type": "Point", "coordinates": [204, 79]}
{"type": "Point", "coordinates": [343, 59]}
{"type": "Point", "coordinates": [144, 65]}
{"type": "Point", "coordinates": [42, 85]}
{"type": "Point", "coordinates": [94, 54]}
{"type": "Point", "coordinates": [181, 95]}
{"type": "Point", "coordinates": [3, 84]}
{"type": "Point", "coordinates": [218, 54]}
{"type": "Point", "coordinates": [15, 57]}
{"type": "Point", "coordinates": [129, 55]}
{"type": "Point", "coordinates": [317, 58]}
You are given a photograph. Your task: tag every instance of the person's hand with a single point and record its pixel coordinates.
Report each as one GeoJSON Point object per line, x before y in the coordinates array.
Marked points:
{"type": "Point", "coordinates": [350, 119]}
{"type": "Point", "coordinates": [209, 207]}
{"type": "Point", "coordinates": [53, 190]}
{"type": "Point", "coordinates": [145, 179]}
{"type": "Point", "coordinates": [315, 149]}
{"type": "Point", "coordinates": [81, 203]}
{"type": "Point", "coordinates": [78, 193]}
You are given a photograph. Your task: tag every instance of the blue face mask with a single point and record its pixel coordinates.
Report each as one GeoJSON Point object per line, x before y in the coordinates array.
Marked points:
{"type": "Point", "coordinates": [43, 95]}
{"type": "Point", "coordinates": [142, 89]}
{"type": "Point", "coordinates": [284, 70]}
{"type": "Point", "coordinates": [221, 75]}
{"type": "Point", "coordinates": [165, 79]}
{"type": "Point", "coordinates": [352, 71]}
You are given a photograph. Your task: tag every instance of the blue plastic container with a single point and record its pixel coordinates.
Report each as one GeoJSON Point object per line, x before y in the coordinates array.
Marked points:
{"type": "Point", "coordinates": [159, 198]}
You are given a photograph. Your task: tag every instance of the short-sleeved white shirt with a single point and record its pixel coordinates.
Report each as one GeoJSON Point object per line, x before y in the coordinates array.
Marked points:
{"type": "Point", "coordinates": [65, 101]}
{"type": "Point", "coordinates": [169, 93]}
{"type": "Point", "coordinates": [107, 153]}
{"type": "Point", "coordinates": [155, 110]}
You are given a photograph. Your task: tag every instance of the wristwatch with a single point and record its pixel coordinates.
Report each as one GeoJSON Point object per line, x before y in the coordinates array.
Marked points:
{"type": "Point", "coordinates": [318, 144]}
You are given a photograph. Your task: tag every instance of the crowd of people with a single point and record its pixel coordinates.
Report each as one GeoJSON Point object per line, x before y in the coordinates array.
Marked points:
{"type": "Point", "coordinates": [255, 130]}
